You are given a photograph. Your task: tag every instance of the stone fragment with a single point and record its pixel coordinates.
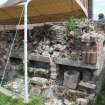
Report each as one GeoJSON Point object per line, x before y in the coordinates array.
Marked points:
{"type": "Point", "coordinates": [92, 99]}
{"type": "Point", "coordinates": [39, 81]}
{"type": "Point", "coordinates": [39, 72]}
{"type": "Point", "coordinates": [81, 101]}
{"type": "Point", "coordinates": [71, 79]}
{"type": "Point", "coordinates": [67, 102]}
{"type": "Point", "coordinates": [56, 54]}
{"type": "Point", "coordinates": [35, 91]}
{"type": "Point", "coordinates": [51, 50]}
{"type": "Point", "coordinates": [58, 47]}
{"type": "Point", "coordinates": [54, 101]}
{"type": "Point", "coordinates": [46, 54]}
{"type": "Point", "coordinates": [85, 86]}
{"type": "Point", "coordinates": [53, 75]}
{"type": "Point", "coordinates": [47, 92]}
{"type": "Point", "coordinates": [47, 48]}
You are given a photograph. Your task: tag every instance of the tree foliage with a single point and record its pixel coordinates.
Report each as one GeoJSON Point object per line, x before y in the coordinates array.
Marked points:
{"type": "Point", "coordinates": [101, 16]}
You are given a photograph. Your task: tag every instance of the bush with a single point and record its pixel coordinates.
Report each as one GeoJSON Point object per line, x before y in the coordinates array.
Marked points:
{"type": "Point", "coordinates": [101, 96]}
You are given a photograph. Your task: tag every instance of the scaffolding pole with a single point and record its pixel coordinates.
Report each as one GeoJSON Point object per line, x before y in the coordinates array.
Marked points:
{"type": "Point", "coordinates": [26, 95]}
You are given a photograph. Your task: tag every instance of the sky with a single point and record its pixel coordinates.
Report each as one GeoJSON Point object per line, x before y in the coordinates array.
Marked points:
{"type": "Point", "coordinates": [99, 7]}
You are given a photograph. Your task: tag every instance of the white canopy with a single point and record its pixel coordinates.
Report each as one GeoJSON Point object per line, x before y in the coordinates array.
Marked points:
{"type": "Point", "coordinates": [8, 3]}
{"type": "Point", "coordinates": [41, 10]}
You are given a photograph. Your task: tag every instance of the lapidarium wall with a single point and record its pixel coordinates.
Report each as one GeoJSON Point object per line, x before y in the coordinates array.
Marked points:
{"type": "Point", "coordinates": [51, 55]}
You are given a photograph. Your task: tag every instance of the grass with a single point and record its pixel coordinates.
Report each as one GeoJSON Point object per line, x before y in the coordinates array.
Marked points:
{"type": "Point", "coordinates": [5, 100]}
{"type": "Point", "coordinates": [101, 97]}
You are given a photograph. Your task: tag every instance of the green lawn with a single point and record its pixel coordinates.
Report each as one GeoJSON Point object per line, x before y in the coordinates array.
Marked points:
{"type": "Point", "coordinates": [101, 97]}
{"type": "Point", "coordinates": [5, 100]}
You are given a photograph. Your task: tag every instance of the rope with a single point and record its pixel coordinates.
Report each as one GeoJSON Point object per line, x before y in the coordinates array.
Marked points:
{"type": "Point", "coordinates": [12, 45]}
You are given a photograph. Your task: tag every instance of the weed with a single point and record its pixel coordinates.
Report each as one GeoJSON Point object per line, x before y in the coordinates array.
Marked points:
{"type": "Point", "coordinates": [71, 24]}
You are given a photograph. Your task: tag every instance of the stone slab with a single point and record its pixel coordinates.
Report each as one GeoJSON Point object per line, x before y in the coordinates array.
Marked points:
{"type": "Point", "coordinates": [85, 86]}
{"type": "Point", "coordinates": [17, 56]}
{"type": "Point", "coordinates": [38, 58]}
{"type": "Point", "coordinates": [68, 62]}
{"type": "Point", "coordinates": [39, 81]}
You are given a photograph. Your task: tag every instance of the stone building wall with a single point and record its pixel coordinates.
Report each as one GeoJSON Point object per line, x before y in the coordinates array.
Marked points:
{"type": "Point", "coordinates": [88, 4]}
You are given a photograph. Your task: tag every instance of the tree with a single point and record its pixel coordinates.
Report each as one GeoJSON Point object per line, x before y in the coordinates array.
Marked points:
{"type": "Point", "coordinates": [101, 16]}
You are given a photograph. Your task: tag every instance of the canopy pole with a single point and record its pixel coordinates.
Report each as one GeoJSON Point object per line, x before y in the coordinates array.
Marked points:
{"type": "Point", "coordinates": [26, 95]}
